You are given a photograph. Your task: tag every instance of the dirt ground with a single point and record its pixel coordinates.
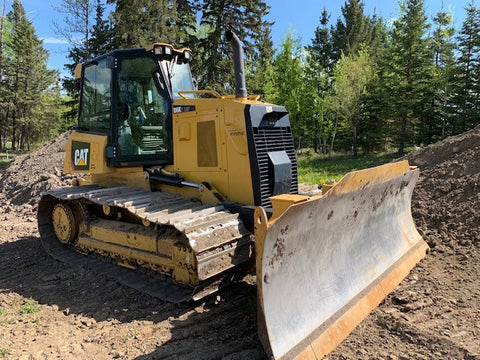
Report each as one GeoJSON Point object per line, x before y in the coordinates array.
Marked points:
{"type": "Point", "coordinates": [49, 310]}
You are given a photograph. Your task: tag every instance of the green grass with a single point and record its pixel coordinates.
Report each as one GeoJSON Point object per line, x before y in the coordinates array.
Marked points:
{"type": "Point", "coordinates": [3, 352]}
{"type": "Point", "coordinates": [7, 321]}
{"type": "Point", "coordinates": [318, 169]}
{"type": "Point", "coordinates": [29, 306]}
{"type": "Point", "coordinates": [5, 158]}
{"type": "Point", "coordinates": [4, 162]}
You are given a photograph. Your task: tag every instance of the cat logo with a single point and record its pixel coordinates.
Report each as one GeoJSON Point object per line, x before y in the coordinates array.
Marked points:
{"type": "Point", "coordinates": [80, 155]}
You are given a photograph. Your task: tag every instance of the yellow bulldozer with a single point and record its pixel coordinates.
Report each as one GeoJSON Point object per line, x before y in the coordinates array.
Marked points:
{"type": "Point", "coordinates": [185, 189]}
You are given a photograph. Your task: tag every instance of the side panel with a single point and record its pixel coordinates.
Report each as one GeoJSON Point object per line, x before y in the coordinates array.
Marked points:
{"type": "Point", "coordinates": [238, 157]}
{"type": "Point", "coordinates": [85, 153]}
{"type": "Point", "coordinates": [194, 146]}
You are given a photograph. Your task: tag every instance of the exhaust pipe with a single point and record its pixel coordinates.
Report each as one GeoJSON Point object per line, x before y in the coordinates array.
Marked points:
{"type": "Point", "coordinates": [240, 86]}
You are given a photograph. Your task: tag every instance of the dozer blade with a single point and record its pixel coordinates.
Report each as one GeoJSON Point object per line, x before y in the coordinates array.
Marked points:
{"type": "Point", "coordinates": [328, 261]}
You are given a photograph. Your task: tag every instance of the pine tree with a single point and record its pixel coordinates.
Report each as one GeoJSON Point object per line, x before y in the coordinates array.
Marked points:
{"type": "Point", "coordinates": [260, 64]}
{"type": "Point", "coordinates": [101, 38]}
{"type": "Point", "coordinates": [138, 23]}
{"type": "Point", "coordinates": [27, 80]}
{"type": "Point", "coordinates": [213, 63]}
{"type": "Point", "coordinates": [2, 28]}
{"type": "Point", "coordinates": [16, 66]}
{"type": "Point", "coordinates": [466, 100]}
{"type": "Point", "coordinates": [437, 113]}
{"type": "Point", "coordinates": [321, 47]}
{"type": "Point", "coordinates": [4, 32]}
{"type": "Point", "coordinates": [186, 22]}
{"type": "Point", "coordinates": [408, 83]}
{"type": "Point", "coordinates": [356, 30]}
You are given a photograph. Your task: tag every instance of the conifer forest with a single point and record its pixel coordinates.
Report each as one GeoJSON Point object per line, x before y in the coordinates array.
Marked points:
{"type": "Point", "coordinates": [361, 84]}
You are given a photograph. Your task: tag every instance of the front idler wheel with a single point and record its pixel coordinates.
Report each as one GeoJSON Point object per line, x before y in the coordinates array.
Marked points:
{"type": "Point", "coordinates": [64, 222]}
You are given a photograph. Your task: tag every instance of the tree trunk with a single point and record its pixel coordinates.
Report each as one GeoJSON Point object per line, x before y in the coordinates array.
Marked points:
{"type": "Point", "coordinates": [2, 23]}
{"type": "Point", "coordinates": [22, 138]}
{"type": "Point", "coordinates": [403, 135]}
{"type": "Point", "coordinates": [14, 130]}
{"type": "Point", "coordinates": [334, 132]}
{"type": "Point", "coordinates": [354, 140]}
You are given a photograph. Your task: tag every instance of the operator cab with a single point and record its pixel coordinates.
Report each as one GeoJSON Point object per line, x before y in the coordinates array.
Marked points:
{"type": "Point", "coordinates": [128, 95]}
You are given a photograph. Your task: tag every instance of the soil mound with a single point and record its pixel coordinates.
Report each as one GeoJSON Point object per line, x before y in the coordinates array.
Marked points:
{"type": "Point", "coordinates": [433, 313]}
{"type": "Point", "coordinates": [22, 183]}
{"type": "Point", "coordinates": [446, 200]}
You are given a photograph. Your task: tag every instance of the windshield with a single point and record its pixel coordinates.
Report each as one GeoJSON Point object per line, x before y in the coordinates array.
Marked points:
{"type": "Point", "coordinates": [180, 77]}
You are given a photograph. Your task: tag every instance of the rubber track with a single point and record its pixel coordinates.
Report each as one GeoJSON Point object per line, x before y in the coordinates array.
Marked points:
{"type": "Point", "coordinates": [211, 232]}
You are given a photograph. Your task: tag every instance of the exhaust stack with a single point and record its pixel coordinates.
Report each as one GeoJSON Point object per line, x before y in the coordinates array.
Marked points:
{"type": "Point", "coordinates": [240, 85]}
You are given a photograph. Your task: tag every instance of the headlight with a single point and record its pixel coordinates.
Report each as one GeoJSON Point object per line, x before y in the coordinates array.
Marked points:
{"type": "Point", "coordinates": [163, 50]}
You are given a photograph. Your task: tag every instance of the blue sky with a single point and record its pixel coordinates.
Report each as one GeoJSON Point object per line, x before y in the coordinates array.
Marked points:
{"type": "Point", "coordinates": [301, 15]}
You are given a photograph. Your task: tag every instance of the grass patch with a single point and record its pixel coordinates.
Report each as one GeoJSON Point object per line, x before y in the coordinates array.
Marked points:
{"type": "Point", "coordinates": [317, 169]}
{"type": "Point", "coordinates": [29, 306]}
{"type": "Point", "coordinates": [3, 352]}
{"type": "Point", "coordinates": [7, 321]}
{"type": "Point", "coordinates": [5, 158]}
{"type": "Point", "coordinates": [4, 163]}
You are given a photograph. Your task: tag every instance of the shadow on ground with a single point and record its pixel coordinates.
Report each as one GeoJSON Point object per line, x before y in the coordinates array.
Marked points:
{"type": "Point", "coordinates": [222, 326]}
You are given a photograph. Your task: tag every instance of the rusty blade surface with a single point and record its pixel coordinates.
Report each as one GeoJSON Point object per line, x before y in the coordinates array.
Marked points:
{"type": "Point", "coordinates": [327, 262]}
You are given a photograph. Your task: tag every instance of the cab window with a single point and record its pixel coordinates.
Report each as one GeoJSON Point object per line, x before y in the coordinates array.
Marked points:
{"type": "Point", "coordinates": [143, 109]}
{"type": "Point", "coordinates": [95, 97]}
{"type": "Point", "coordinates": [181, 80]}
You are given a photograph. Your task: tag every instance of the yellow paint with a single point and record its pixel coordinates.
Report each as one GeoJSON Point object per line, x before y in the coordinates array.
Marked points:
{"type": "Point", "coordinates": [281, 203]}
{"type": "Point", "coordinates": [232, 175]}
{"type": "Point", "coordinates": [260, 222]}
{"type": "Point", "coordinates": [206, 196]}
{"type": "Point", "coordinates": [180, 51]}
{"type": "Point", "coordinates": [367, 177]}
{"type": "Point", "coordinates": [64, 223]}
{"type": "Point", "coordinates": [98, 162]}
{"type": "Point", "coordinates": [78, 71]}
{"type": "Point", "coordinates": [327, 186]}
{"type": "Point", "coordinates": [137, 244]}
{"type": "Point", "coordinates": [129, 176]}
{"type": "Point", "coordinates": [125, 234]}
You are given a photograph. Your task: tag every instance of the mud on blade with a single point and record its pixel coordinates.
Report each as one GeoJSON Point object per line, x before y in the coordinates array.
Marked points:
{"type": "Point", "coordinates": [328, 261]}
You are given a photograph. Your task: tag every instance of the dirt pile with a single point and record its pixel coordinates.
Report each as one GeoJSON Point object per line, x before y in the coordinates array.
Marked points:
{"type": "Point", "coordinates": [434, 313]}
{"type": "Point", "coordinates": [22, 183]}
{"type": "Point", "coordinates": [446, 201]}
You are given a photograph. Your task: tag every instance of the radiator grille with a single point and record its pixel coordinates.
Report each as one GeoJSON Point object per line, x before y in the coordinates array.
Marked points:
{"type": "Point", "coordinates": [273, 139]}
